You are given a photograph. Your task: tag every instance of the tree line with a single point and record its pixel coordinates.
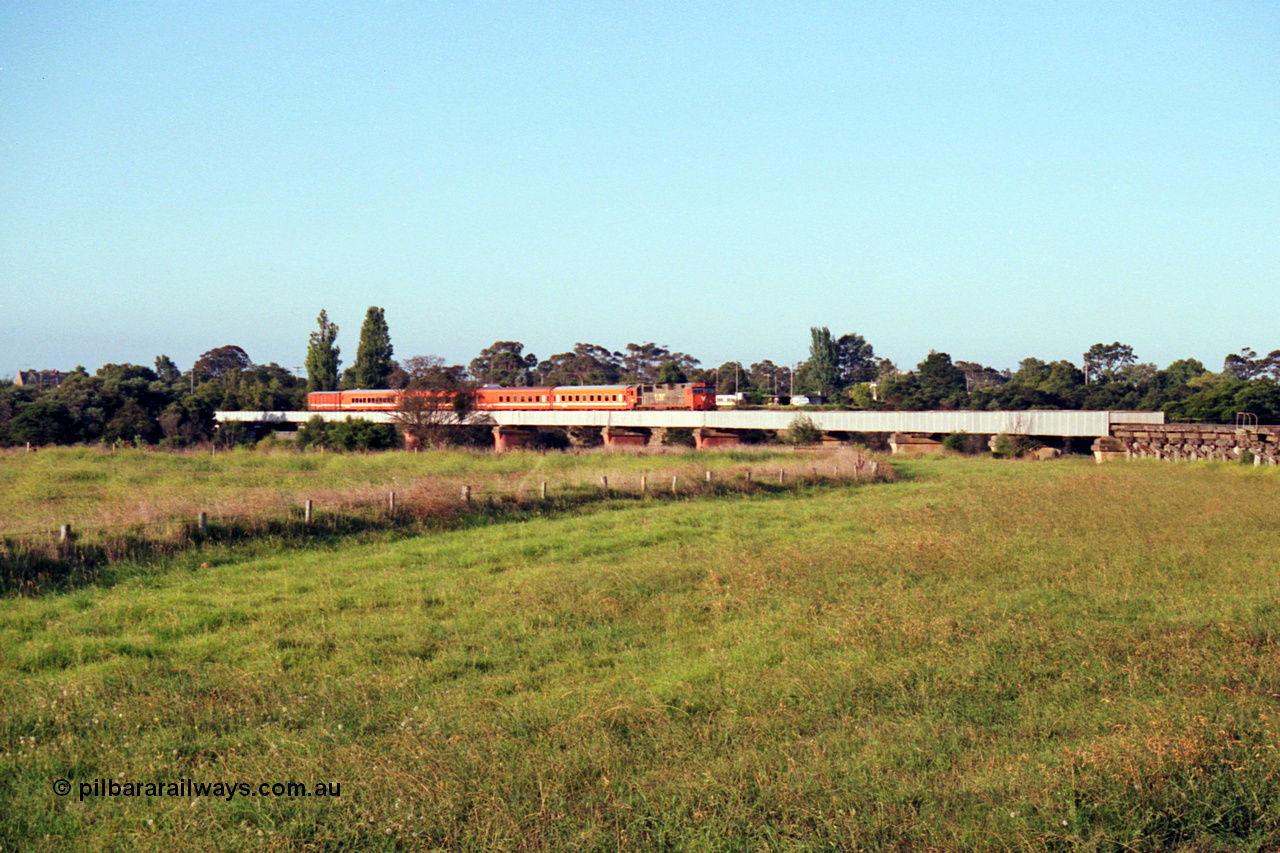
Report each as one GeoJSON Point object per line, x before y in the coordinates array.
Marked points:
{"type": "Point", "coordinates": [164, 405]}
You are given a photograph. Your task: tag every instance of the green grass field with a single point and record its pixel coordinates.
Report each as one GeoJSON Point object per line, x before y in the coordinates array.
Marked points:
{"type": "Point", "coordinates": [982, 656]}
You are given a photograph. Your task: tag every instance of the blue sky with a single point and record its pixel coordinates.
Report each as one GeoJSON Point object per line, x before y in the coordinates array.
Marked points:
{"type": "Point", "coordinates": [993, 180]}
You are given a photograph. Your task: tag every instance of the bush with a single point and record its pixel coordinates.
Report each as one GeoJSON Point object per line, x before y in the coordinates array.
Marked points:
{"type": "Point", "coordinates": [967, 443]}
{"type": "Point", "coordinates": [1012, 446]}
{"type": "Point", "coordinates": [802, 430]}
{"type": "Point", "coordinates": [271, 441]}
{"type": "Point", "coordinates": [313, 433]}
{"type": "Point", "coordinates": [360, 434]}
{"type": "Point", "coordinates": [1003, 447]}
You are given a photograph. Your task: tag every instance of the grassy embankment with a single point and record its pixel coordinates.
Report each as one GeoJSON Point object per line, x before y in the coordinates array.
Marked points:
{"type": "Point", "coordinates": [985, 656]}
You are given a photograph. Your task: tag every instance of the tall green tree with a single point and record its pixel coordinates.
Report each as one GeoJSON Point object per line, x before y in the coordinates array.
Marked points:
{"type": "Point", "coordinates": [857, 359]}
{"type": "Point", "coordinates": [588, 364]}
{"type": "Point", "coordinates": [671, 372]}
{"type": "Point", "coordinates": [942, 384]}
{"type": "Point", "coordinates": [322, 356]}
{"type": "Point", "coordinates": [822, 370]}
{"type": "Point", "coordinates": [770, 378]}
{"type": "Point", "coordinates": [166, 370]}
{"type": "Point", "coordinates": [504, 363]}
{"type": "Point", "coordinates": [221, 361]}
{"type": "Point", "coordinates": [1103, 361]}
{"type": "Point", "coordinates": [730, 378]}
{"type": "Point", "coordinates": [373, 355]}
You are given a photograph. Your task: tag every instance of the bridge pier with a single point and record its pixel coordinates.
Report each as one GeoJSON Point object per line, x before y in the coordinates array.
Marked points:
{"type": "Point", "coordinates": [901, 442]}
{"type": "Point", "coordinates": [512, 438]}
{"type": "Point", "coordinates": [624, 437]}
{"type": "Point", "coordinates": [706, 438]}
{"type": "Point", "coordinates": [1107, 448]}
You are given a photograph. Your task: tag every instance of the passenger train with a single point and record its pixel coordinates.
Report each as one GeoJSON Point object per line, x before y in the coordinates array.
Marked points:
{"type": "Point", "coordinates": [695, 396]}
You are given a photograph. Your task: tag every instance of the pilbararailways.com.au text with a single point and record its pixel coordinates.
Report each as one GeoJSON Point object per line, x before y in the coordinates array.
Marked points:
{"type": "Point", "coordinates": [190, 788]}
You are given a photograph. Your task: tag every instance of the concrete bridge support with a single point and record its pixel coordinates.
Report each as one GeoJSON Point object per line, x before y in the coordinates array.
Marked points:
{"type": "Point", "coordinates": [901, 442]}
{"type": "Point", "coordinates": [706, 438]}
{"type": "Point", "coordinates": [624, 437]}
{"type": "Point", "coordinates": [513, 438]}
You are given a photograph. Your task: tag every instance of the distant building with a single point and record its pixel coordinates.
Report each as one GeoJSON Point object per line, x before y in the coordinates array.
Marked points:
{"type": "Point", "coordinates": [40, 379]}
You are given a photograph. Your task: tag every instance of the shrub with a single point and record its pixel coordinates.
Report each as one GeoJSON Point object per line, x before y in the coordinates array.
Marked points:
{"type": "Point", "coordinates": [360, 434]}
{"type": "Point", "coordinates": [313, 433]}
{"type": "Point", "coordinates": [956, 442]}
{"type": "Point", "coordinates": [1012, 446]}
{"type": "Point", "coordinates": [803, 430]}
{"type": "Point", "coordinates": [271, 441]}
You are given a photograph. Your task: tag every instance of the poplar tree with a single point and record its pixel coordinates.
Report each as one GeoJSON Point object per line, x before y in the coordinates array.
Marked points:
{"type": "Point", "coordinates": [823, 368]}
{"type": "Point", "coordinates": [322, 356]}
{"type": "Point", "coordinates": [373, 355]}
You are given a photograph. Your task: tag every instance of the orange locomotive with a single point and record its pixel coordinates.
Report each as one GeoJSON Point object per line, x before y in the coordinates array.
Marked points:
{"type": "Point", "coordinates": [694, 396]}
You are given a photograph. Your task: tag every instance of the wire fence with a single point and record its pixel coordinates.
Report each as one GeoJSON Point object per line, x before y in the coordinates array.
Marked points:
{"type": "Point", "coordinates": [72, 550]}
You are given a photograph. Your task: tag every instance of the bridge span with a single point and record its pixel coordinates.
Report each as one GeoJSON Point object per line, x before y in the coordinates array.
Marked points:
{"type": "Point", "coordinates": [726, 427]}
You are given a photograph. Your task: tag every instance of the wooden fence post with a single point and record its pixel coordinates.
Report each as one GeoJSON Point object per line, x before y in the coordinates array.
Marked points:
{"type": "Point", "coordinates": [391, 503]}
{"type": "Point", "coordinates": [644, 484]}
{"type": "Point", "coordinates": [673, 485]}
{"type": "Point", "coordinates": [202, 521]}
{"type": "Point", "coordinates": [64, 534]}
{"type": "Point", "coordinates": [466, 495]}
{"type": "Point", "coordinates": [604, 485]}
{"type": "Point", "coordinates": [306, 513]}
{"type": "Point", "coordinates": [544, 490]}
